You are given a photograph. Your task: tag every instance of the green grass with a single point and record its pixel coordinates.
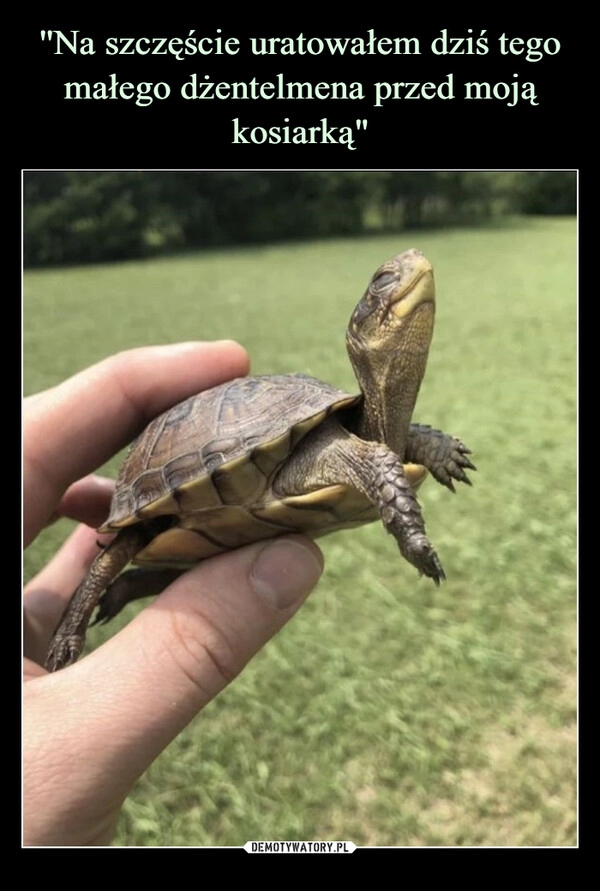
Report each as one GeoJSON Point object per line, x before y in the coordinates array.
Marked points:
{"type": "Point", "coordinates": [388, 712]}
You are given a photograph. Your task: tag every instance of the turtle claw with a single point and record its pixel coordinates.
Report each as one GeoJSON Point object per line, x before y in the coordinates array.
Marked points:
{"type": "Point", "coordinates": [421, 554]}
{"type": "Point", "coordinates": [454, 467]}
{"type": "Point", "coordinates": [461, 476]}
{"type": "Point", "coordinates": [434, 569]}
{"type": "Point", "coordinates": [64, 651]}
{"type": "Point", "coordinates": [465, 462]}
{"type": "Point", "coordinates": [461, 460]}
{"type": "Point", "coordinates": [446, 475]}
{"type": "Point", "coordinates": [444, 456]}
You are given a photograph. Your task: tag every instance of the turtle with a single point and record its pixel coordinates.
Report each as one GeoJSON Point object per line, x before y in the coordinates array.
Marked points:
{"type": "Point", "coordinates": [257, 457]}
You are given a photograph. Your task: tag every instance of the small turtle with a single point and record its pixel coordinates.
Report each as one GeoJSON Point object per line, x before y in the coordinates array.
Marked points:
{"type": "Point", "coordinates": [258, 457]}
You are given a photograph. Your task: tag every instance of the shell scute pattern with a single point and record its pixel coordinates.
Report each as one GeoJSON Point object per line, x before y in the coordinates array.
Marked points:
{"type": "Point", "coordinates": [220, 446]}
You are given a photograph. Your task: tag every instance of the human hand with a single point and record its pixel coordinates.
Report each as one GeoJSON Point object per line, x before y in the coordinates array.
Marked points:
{"type": "Point", "coordinates": [93, 728]}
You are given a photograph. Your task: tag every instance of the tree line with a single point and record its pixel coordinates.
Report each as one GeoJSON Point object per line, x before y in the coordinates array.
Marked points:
{"type": "Point", "coordinates": [93, 216]}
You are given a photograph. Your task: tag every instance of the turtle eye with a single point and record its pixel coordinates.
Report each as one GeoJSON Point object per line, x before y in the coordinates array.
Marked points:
{"type": "Point", "coordinates": [383, 280]}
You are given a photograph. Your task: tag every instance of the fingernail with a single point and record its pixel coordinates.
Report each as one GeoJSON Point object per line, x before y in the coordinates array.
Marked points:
{"type": "Point", "coordinates": [284, 572]}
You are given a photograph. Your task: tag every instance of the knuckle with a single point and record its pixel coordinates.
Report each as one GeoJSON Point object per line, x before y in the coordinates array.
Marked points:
{"type": "Point", "coordinates": [203, 651]}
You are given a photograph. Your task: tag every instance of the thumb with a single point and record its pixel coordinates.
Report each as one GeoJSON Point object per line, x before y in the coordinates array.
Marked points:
{"type": "Point", "coordinates": [199, 634]}
{"type": "Point", "coordinates": [121, 705]}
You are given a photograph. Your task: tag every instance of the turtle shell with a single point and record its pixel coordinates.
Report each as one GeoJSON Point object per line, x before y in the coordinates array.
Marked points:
{"type": "Point", "coordinates": [209, 462]}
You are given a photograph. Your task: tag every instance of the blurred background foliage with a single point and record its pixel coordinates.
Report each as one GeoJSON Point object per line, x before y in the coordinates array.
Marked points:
{"type": "Point", "coordinates": [74, 217]}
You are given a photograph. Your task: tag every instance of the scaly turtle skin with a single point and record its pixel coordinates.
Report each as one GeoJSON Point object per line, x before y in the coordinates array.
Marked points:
{"type": "Point", "coordinates": [261, 456]}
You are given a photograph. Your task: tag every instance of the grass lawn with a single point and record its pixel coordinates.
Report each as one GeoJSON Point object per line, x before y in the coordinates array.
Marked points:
{"type": "Point", "coordinates": [388, 712]}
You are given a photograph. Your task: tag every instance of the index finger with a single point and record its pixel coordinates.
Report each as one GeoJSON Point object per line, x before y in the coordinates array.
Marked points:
{"type": "Point", "coordinates": [73, 428]}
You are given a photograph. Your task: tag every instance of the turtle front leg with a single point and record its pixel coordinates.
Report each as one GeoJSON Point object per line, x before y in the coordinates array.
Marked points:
{"type": "Point", "coordinates": [330, 455]}
{"type": "Point", "coordinates": [444, 456]}
{"type": "Point", "coordinates": [392, 493]}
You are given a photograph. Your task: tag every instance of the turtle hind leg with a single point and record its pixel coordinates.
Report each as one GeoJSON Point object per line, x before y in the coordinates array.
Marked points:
{"type": "Point", "coordinates": [132, 585]}
{"type": "Point", "coordinates": [69, 636]}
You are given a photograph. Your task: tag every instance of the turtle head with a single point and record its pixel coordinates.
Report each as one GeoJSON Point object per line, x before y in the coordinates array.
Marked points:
{"type": "Point", "coordinates": [388, 341]}
{"type": "Point", "coordinates": [396, 311]}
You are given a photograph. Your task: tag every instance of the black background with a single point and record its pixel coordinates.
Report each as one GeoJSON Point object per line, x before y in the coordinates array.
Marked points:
{"type": "Point", "coordinates": [402, 134]}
